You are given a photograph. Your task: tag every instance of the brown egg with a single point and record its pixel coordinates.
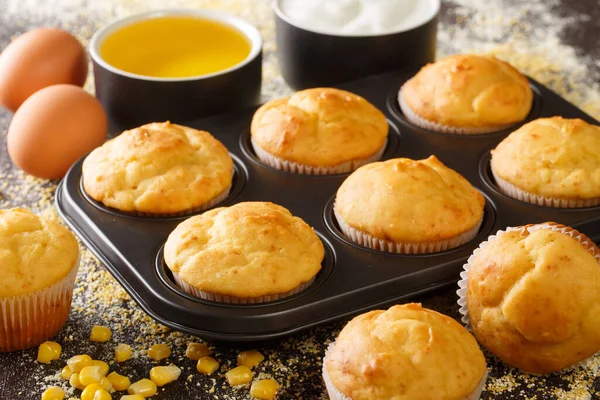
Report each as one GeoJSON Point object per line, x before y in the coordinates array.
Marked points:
{"type": "Point", "coordinates": [54, 128]}
{"type": "Point", "coordinates": [40, 58]}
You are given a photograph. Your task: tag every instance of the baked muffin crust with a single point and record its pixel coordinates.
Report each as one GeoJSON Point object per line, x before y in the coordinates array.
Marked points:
{"type": "Point", "coordinates": [406, 352]}
{"type": "Point", "coordinates": [553, 157]}
{"type": "Point", "coordinates": [35, 252]}
{"type": "Point", "coordinates": [320, 127]}
{"type": "Point", "coordinates": [250, 249]}
{"type": "Point", "coordinates": [158, 168]}
{"type": "Point", "coordinates": [469, 91]}
{"type": "Point", "coordinates": [409, 201]}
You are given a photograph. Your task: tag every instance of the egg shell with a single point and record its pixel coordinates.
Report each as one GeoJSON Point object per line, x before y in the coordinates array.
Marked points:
{"type": "Point", "coordinates": [37, 59]}
{"type": "Point", "coordinates": [54, 128]}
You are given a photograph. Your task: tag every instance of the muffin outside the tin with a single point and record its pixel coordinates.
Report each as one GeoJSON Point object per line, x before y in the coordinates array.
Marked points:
{"type": "Point", "coordinates": [407, 206]}
{"type": "Point", "coordinates": [159, 169]}
{"type": "Point", "coordinates": [39, 259]}
{"type": "Point", "coordinates": [251, 252]}
{"type": "Point", "coordinates": [466, 94]}
{"type": "Point", "coordinates": [406, 352]}
{"type": "Point", "coordinates": [319, 131]}
{"type": "Point", "coordinates": [552, 162]}
{"type": "Point", "coordinates": [531, 295]}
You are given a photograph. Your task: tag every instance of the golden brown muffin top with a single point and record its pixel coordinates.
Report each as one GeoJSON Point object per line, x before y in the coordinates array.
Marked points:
{"type": "Point", "coordinates": [533, 297]}
{"type": "Point", "coordinates": [250, 249]}
{"type": "Point", "coordinates": [158, 168]}
{"type": "Point", "coordinates": [320, 127]}
{"type": "Point", "coordinates": [405, 353]}
{"type": "Point", "coordinates": [553, 157]}
{"type": "Point", "coordinates": [409, 201]}
{"type": "Point", "coordinates": [470, 91]}
{"type": "Point", "coordinates": [35, 252]}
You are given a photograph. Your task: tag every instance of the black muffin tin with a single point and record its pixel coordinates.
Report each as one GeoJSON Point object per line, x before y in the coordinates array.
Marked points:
{"type": "Point", "coordinates": [353, 279]}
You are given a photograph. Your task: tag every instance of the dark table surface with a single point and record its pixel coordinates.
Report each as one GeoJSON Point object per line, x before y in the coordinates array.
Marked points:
{"type": "Point", "coordinates": [556, 42]}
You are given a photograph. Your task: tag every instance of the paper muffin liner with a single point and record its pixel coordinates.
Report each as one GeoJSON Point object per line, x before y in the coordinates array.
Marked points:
{"type": "Point", "coordinates": [512, 191]}
{"type": "Point", "coordinates": [366, 239]}
{"type": "Point", "coordinates": [28, 320]}
{"type": "Point", "coordinates": [335, 394]}
{"type": "Point", "coordinates": [421, 122]}
{"type": "Point", "coordinates": [217, 297]}
{"type": "Point", "coordinates": [464, 275]}
{"type": "Point", "coordinates": [303, 169]}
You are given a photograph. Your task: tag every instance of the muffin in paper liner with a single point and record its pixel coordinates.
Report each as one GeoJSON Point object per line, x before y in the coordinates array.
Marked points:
{"type": "Point", "coordinates": [370, 241]}
{"type": "Point", "coordinates": [30, 319]}
{"type": "Point", "coordinates": [583, 240]}
{"type": "Point", "coordinates": [512, 191]}
{"type": "Point", "coordinates": [421, 122]}
{"type": "Point", "coordinates": [335, 394]}
{"type": "Point", "coordinates": [303, 169]}
{"type": "Point", "coordinates": [217, 297]}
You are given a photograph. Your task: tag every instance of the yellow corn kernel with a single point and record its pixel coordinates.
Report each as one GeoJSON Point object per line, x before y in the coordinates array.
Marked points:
{"type": "Point", "coordinates": [90, 391]}
{"type": "Point", "coordinates": [159, 352]}
{"type": "Point", "coordinates": [207, 365]}
{"type": "Point", "coordinates": [100, 334]}
{"type": "Point", "coordinates": [264, 389]}
{"type": "Point", "coordinates": [77, 363]}
{"type": "Point", "coordinates": [163, 375]}
{"type": "Point", "coordinates": [196, 351]}
{"type": "Point", "coordinates": [239, 376]}
{"type": "Point", "coordinates": [119, 382]}
{"type": "Point", "coordinates": [89, 375]}
{"type": "Point", "coordinates": [74, 381]}
{"type": "Point", "coordinates": [48, 351]}
{"type": "Point", "coordinates": [102, 395]}
{"type": "Point", "coordinates": [132, 397]}
{"type": "Point", "coordinates": [122, 352]}
{"type": "Point", "coordinates": [103, 366]}
{"type": "Point", "coordinates": [107, 384]}
{"type": "Point", "coordinates": [250, 358]}
{"type": "Point", "coordinates": [53, 393]}
{"type": "Point", "coordinates": [145, 387]}
{"type": "Point", "coordinates": [66, 373]}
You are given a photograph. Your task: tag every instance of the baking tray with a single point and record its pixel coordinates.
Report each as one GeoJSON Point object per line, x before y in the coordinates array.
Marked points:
{"type": "Point", "coordinates": [353, 279]}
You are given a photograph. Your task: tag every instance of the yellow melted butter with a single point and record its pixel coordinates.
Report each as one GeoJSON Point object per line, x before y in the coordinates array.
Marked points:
{"type": "Point", "coordinates": [175, 47]}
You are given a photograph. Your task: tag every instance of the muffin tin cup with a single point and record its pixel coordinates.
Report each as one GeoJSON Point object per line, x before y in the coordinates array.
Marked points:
{"type": "Point", "coordinates": [365, 239]}
{"type": "Point", "coordinates": [512, 191]}
{"type": "Point", "coordinates": [28, 320]}
{"type": "Point", "coordinates": [335, 394]}
{"type": "Point", "coordinates": [303, 169]}
{"type": "Point", "coordinates": [220, 298]}
{"type": "Point", "coordinates": [421, 122]}
{"type": "Point", "coordinates": [583, 240]}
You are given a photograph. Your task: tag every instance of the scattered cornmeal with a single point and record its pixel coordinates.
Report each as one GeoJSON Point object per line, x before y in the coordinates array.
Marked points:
{"type": "Point", "coordinates": [66, 373]}
{"type": "Point", "coordinates": [48, 351]}
{"type": "Point", "coordinates": [100, 334]}
{"type": "Point", "coordinates": [122, 352]}
{"type": "Point", "coordinates": [74, 381]}
{"type": "Point", "coordinates": [250, 358]}
{"type": "Point", "coordinates": [163, 375]}
{"type": "Point", "coordinates": [207, 365]}
{"type": "Point", "coordinates": [159, 352]}
{"type": "Point", "coordinates": [79, 362]}
{"type": "Point", "coordinates": [265, 389]}
{"type": "Point", "coordinates": [196, 351]}
{"type": "Point", "coordinates": [119, 382]}
{"type": "Point", "coordinates": [53, 393]}
{"type": "Point", "coordinates": [239, 376]}
{"type": "Point", "coordinates": [144, 387]}
{"type": "Point", "coordinates": [103, 366]}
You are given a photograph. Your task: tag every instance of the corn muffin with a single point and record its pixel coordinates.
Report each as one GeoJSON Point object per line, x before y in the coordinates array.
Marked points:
{"type": "Point", "coordinates": [251, 252]}
{"type": "Point", "coordinates": [532, 296]}
{"type": "Point", "coordinates": [159, 169]}
{"type": "Point", "coordinates": [405, 353]}
{"type": "Point", "coordinates": [319, 131]}
{"type": "Point", "coordinates": [466, 94]}
{"type": "Point", "coordinates": [552, 162]}
{"type": "Point", "coordinates": [412, 206]}
{"type": "Point", "coordinates": [39, 259]}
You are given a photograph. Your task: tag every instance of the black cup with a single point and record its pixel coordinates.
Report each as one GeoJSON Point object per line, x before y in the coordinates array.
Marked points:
{"type": "Point", "coordinates": [308, 58]}
{"type": "Point", "coordinates": [131, 100]}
